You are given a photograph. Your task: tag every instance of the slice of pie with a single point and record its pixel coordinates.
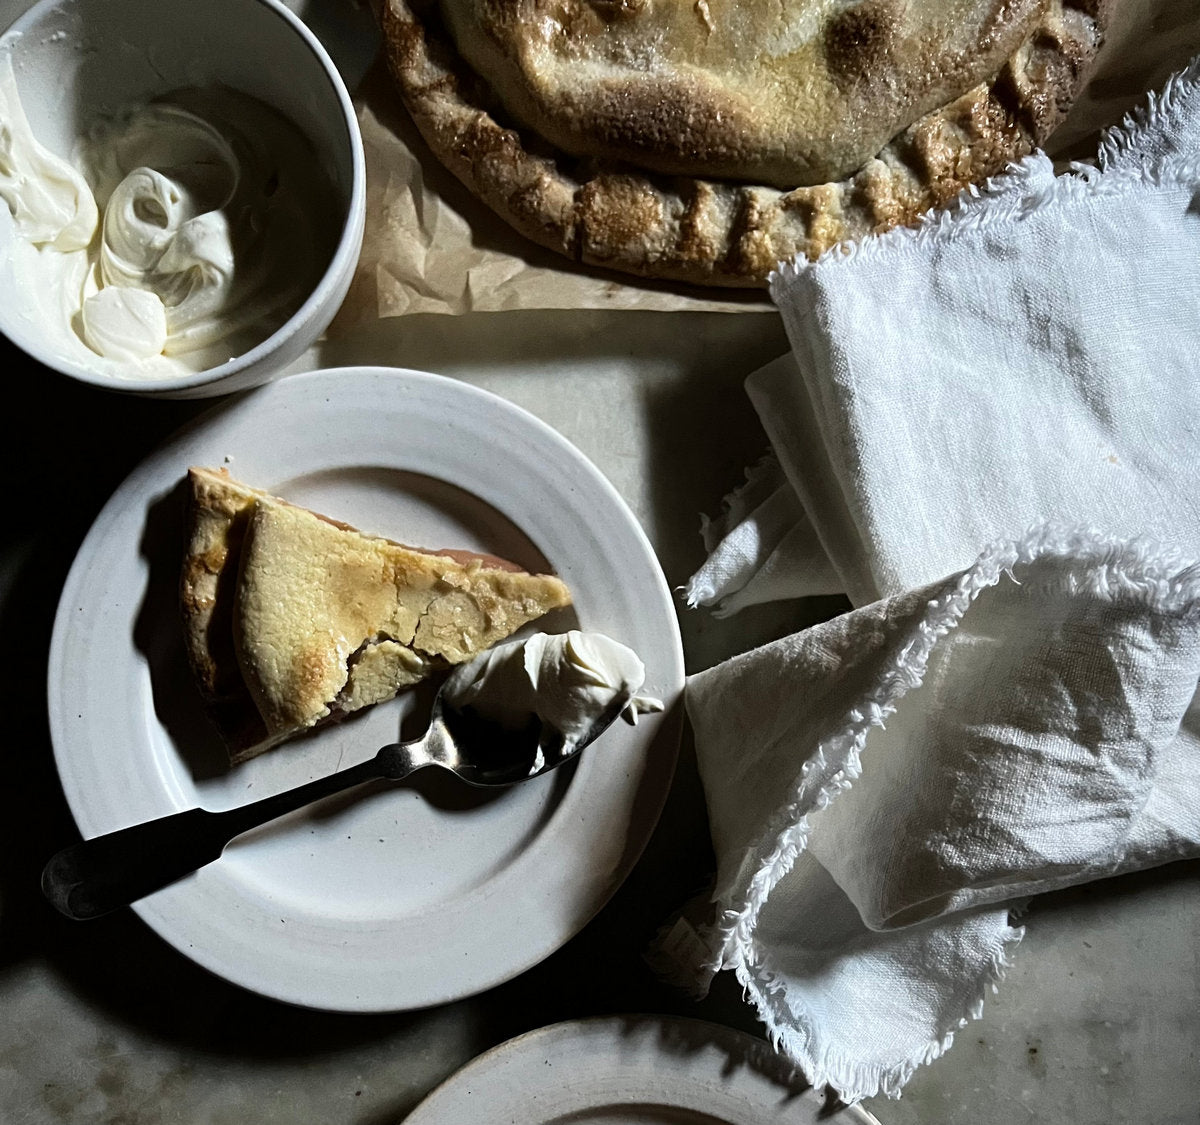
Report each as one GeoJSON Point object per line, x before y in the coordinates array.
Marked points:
{"type": "Point", "coordinates": [292, 619]}
{"type": "Point", "coordinates": [707, 140]}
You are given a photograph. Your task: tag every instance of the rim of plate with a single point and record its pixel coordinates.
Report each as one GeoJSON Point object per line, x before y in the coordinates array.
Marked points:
{"type": "Point", "coordinates": [633, 1063]}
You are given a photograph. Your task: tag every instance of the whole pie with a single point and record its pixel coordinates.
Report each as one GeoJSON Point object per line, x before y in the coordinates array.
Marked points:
{"type": "Point", "coordinates": [708, 140]}
{"type": "Point", "coordinates": [292, 619]}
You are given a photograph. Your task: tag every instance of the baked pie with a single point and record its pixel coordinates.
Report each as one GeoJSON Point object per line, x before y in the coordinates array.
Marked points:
{"type": "Point", "coordinates": [292, 619]}
{"type": "Point", "coordinates": [707, 140]}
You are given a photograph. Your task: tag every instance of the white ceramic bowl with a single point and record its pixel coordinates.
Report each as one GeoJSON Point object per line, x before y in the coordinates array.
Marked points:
{"type": "Point", "coordinates": [76, 60]}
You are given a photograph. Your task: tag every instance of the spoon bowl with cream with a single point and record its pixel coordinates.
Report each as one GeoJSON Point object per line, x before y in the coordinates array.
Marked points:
{"type": "Point", "coordinates": [179, 217]}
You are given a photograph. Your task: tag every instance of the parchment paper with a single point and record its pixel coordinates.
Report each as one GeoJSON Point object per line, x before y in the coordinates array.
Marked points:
{"type": "Point", "coordinates": [431, 247]}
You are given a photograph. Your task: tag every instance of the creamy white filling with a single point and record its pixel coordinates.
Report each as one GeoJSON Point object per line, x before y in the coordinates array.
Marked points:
{"type": "Point", "coordinates": [214, 228]}
{"type": "Point", "coordinates": [568, 680]}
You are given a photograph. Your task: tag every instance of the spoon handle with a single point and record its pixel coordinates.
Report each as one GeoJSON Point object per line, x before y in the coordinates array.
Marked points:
{"type": "Point", "coordinates": [95, 876]}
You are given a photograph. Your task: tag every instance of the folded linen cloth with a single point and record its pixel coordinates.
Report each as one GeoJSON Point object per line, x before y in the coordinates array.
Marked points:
{"type": "Point", "coordinates": [885, 789]}
{"type": "Point", "coordinates": [1029, 723]}
{"type": "Point", "coordinates": [1026, 355]}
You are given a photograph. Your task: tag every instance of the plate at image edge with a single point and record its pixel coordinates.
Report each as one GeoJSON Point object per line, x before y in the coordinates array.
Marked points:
{"type": "Point", "coordinates": [391, 897]}
{"type": "Point", "coordinates": [632, 1070]}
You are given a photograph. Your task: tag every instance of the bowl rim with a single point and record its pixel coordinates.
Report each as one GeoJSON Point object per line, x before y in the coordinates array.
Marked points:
{"type": "Point", "coordinates": [335, 276]}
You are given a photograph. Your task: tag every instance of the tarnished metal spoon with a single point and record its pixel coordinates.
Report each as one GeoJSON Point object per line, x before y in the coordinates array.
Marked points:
{"type": "Point", "coordinates": [98, 875]}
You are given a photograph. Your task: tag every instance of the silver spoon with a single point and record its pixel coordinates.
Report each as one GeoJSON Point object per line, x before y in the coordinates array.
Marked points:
{"type": "Point", "coordinates": [98, 875]}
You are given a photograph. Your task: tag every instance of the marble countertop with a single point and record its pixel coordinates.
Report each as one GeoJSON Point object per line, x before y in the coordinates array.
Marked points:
{"type": "Point", "coordinates": [103, 1022]}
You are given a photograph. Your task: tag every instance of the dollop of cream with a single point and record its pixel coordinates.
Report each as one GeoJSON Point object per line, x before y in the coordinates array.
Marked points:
{"type": "Point", "coordinates": [567, 680]}
{"type": "Point", "coordinates": [189, 229]}
{"type": "Point", "coordinates": [125, 323]}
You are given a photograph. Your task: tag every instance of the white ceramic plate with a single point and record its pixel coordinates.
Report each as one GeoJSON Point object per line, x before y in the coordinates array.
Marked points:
{"type": "Point", "coordinates": [632, 1070]}
{"type": "Point", "coordinates": [396, 897]}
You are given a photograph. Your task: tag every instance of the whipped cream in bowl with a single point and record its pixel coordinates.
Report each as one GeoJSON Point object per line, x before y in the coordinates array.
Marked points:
{"type": "Point", "coordinates": [181, 191]}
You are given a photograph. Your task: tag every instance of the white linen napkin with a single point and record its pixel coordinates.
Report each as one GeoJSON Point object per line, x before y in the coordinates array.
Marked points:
{"type": "Point", "coordinates": [886, 788]}
{"type": "Point", "coordinates": [1026, 355]}
{"type": "Point", "coordinates": [876, 784]}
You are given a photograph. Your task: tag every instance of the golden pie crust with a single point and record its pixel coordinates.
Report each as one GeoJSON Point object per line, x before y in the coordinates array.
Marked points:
{"type": "Point", "coordinates": [292, 619]}
{"type": "Point", "coordinates": [668, 139]}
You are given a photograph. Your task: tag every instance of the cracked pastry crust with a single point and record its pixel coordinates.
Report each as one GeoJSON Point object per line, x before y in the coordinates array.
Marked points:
{"type": "Point", "coordinates": [291, 619]}
{"type": "Point", "coordinates": [584, 124]}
